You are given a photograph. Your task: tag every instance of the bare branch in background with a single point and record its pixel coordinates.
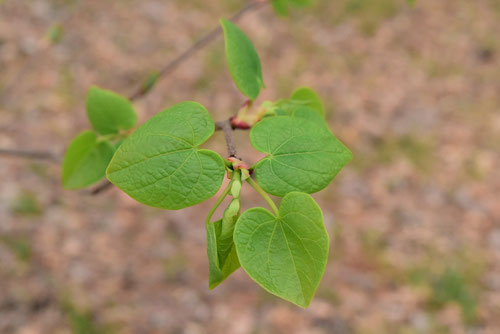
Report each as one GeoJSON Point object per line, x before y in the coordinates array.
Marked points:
{"type": "Point", "coordinates": [31, 154]}
{"type": "Point", "coordinates": [105, 185]}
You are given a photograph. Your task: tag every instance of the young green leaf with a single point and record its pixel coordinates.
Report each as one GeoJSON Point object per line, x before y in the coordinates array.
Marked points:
{"type": "Point", "coordinates": [303, 156]}
{"type": "Point", "coordinates": [285, 254]}
{"type": "Point", "coordinates": [242, 60]}
{"type": "Point", "coordinates": [308, 97]}
{"type": "Point", "coordinates": [161, 165]}
{"type": "Point", "coordinates": [222, 257]}
{"type": "Point", "coordinates": [304, 112]}
{"type": "Point", "coordinates": [109, 112]}
{"type": "Point", "coordinates": [303, 103]}
{"type": "Point", "coordinates": [85, 160]}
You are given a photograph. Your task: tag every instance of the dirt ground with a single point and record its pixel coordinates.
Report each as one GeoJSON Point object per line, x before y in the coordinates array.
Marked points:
{"type": "Point", "coordinates": [414, 219]}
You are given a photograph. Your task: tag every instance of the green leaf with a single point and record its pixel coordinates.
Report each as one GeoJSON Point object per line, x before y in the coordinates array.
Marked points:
{"type": "Point", "coordinates": [222, 257]}
{"type": "Point", "coordinates": [287, 254]}
{"type": "Point", "coordinates": [303, 156]}
{"type": "Point", "coordinates": [242, 60]}
{"type": "Point", "coordinates": [308, 97]}
{"type": "Point", "coordinates": [161, 165]}
{"type": "Point", "coordinates": [109, 112]}
{"type": "Point", "coordinates": [303, 112]}
{"type": "Point", "coordinates": [85, 160]}
{"type": "Point", "coordinates": [304, 103]}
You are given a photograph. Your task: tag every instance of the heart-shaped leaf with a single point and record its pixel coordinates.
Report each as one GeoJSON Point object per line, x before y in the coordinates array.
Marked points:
{"type": "Point", "coordinates": [109, 112]}
{"type": "Point", "coordinates": [85, 160]}
{"type": "Point", "coordinates": [242, 60]}
{"type": "Point", "coordinates": [161, 165]}
{"type": "Point", "coordinates": [309, 98]}
{"type": "Point", "coordinates": [303, 156]}
{"type": "Point", "coordinates": [285, 254]}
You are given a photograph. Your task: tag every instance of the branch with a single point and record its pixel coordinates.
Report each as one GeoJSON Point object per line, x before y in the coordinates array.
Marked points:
{"type": "Point", "coordinates": [228, 135]}
{"type": "Point", "coordinates": [29, 154]}
{"type": "Point", "coordinates": [105, 185]}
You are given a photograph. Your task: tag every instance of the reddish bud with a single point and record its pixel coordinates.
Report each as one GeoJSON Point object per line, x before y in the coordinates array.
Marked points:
{"type": "Point", "coordinates": [237, 163]}
{"type": "Point", "coordinates": [239, 124]}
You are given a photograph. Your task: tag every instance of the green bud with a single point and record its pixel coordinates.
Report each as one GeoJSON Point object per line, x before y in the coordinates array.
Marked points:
{"type": "Point", "coordinates": [236, 188]}
{"type": "Point", "coordinates": [229, 218]}
{"type": "Point", "coordinates": [233, 209]}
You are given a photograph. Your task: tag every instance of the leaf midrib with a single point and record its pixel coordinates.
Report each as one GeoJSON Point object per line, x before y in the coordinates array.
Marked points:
{"type": "Point", "coordinates": [166, 176]}
{"type": "Point", "coordinates": [280, 222]}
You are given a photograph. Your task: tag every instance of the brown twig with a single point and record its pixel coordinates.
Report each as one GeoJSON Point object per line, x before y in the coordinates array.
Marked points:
{"type": "Point", "coordinates": [228, 135]}
{"type": "Point", "coordinates": [103, 186]}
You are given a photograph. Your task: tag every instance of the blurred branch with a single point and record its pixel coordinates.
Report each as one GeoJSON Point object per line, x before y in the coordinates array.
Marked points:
{"type": "Point", "coordinates": [103, 186]}
{"type": "Point", "coordinates": [30, 154]}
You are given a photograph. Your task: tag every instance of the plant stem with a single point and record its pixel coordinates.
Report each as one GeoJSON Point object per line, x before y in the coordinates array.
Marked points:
{"type": "Point", "coordinates": [263, 194]}
{"type": "Point", "coordinates": [218, 202]}
{"type": "Point", "coordinates": [104, 185]}
{"type": "Point", "coordinates": [228, 135]}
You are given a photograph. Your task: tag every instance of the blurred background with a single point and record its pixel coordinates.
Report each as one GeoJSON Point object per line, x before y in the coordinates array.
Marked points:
{"type": "Point", "coordinates": [414, 219]}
